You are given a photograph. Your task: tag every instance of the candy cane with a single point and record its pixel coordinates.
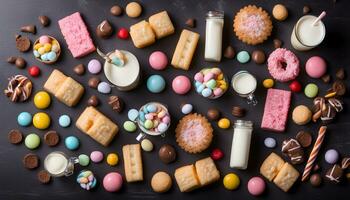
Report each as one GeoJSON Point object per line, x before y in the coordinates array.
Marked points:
{"type": "Point", "coordinates": [314, 152]}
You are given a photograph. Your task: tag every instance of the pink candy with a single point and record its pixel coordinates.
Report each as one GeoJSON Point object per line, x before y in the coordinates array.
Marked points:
{"type": "Point", "coordinates": [44, 39]}
{"type": "Point", "coordinates": [181, 84]}
{"type": "Point", "coordinates": [112, 182]}
{"type": "Point", "coordinates": [166, 119]}
{"type": "Point", "coordinates": [218, 91]}
{"type": "Point", "coordinates": [208, 76]}
{"type": "Point", "coordinates": [256, 186]}
{"type": "Point", "coordinates": [199, 77]}
{"type": "Point", "coordinates": [96, 156]}
{"type": "Point", "coordinates": [158, 60]}
{"type": "Point", "coordinates": [315, 67]}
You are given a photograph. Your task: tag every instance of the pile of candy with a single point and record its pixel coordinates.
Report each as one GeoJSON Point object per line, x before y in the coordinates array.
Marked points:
{"type": "Point", "coordinates": [86, 179]}
{"type": "Point", "coordinates": [210, 83]}
{"type": "Point", "coordinates": [46, 49]}
{"type": "Point", "coordinates": [154, 117]}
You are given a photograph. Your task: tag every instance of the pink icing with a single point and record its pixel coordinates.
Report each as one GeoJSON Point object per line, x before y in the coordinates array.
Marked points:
{"type": "Point", "coordinates": [275, 63]}
{"type": "Point", "coordinates": [193, 132]}
{"type": "Point", "coordinates": [253, 25]}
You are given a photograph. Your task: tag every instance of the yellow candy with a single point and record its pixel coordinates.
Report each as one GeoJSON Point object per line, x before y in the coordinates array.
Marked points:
{"type": "Point", "coordinates": [221, 76]}
{"type": "Point", "coordinates": [223, 86]}
{"type": "Point", "coordinates": [268, 83]}
{"type": "Point", "coordinates": [112, 159]}
{"type": "Point", "coordinates": [42, 100]}
{"type": "Point", "coordinates": [54, 42]}
{"type": "Point", "coordinates": [41, 120]}
{"type": "Point", "coordinates": [231, 181]}
{"type": "Point", "coordinates": [47, 47]}
{"type": "Point", "coordinates": [37, 46]}
{"type": "Point", "coordinates": [41, 50]}
{"type": "Point", "coordinates": [224, 123]}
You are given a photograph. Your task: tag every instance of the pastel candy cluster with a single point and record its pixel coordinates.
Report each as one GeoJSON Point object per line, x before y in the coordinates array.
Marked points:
{"type": "Point", "coordinates": [86, 179]}
{"type": "Point", "coordinates": [46, 49]}
{"type": "Point", "coordinates": [154, 117]}
{"type": "Point", "coordinates": [210, 83]}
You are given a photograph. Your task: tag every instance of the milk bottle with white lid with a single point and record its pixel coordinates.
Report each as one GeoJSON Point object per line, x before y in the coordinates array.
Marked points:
{"type": "Point", "coordinates": [241, 144]}
{"type": "Point", "coordinates": [307, 34]}
{"type": "Point", "coordinates": [213, 35]}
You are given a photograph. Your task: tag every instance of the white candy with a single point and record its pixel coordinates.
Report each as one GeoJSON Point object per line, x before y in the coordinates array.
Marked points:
{"type": "Point", "coordinates": [187, 108]}
{"type": "Point", "coordinates": [270, 142]}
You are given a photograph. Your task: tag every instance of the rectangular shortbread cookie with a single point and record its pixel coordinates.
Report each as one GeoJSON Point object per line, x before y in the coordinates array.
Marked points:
{"type": "Point", "coordinates": [132, 162]}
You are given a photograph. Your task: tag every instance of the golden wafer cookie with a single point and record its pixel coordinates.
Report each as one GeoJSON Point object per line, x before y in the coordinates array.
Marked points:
{"type": "Point", "coordinates": [133, 162]}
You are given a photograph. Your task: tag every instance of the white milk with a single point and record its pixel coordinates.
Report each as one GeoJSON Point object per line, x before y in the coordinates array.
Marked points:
{"type": "Point", "coordinates": [305, 36]}
{"type": "Point", "coordinates": [241, 144]}
{"type": "Point", "coordinates": [56, 163]}
{"type": "Point", "coordinates": [244, 83]}
{"type": "Point", "coordinates": [213, 35]}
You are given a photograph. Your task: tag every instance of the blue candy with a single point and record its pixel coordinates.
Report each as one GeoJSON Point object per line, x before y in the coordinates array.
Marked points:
{"type": "Point", "coordinates": [36, 53]}
{"type": "Point", "coordinates": [270, 142]}
{"type": "Point", "coordinates": [207, 92]}
{"type": "Point", "coordinates": [43, 57]}
{"type": "Point", "coordinates": [133, 114]}
{"type": "Point", "coordinates": [71, 142]}
{"type": "Point", "coordinates": [51, 56]}
{"type": "Point", "coordinates": [155, 83]}
{"type": "Point", "coordinates": [151, 108]}
{"type": "Point", "coordinates": [142, 116]}
{"type": "Point", "coordinates": [200, 88]}
{"type": "Point", "coordinates": [104, 88]}
{"type": "Point", "coordinates": [64, 121]}
{"type": "Point", "coordinates": [243, 57]}
{"type": "Point", "coordinates": [24, 119]}
{"type": "Point", "coordinates": [197, 84]}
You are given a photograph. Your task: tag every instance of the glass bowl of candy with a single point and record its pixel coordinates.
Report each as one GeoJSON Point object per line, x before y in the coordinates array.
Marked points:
{"type": "Point", "coordinates": [154, 119]}
{"type": "Point", "coordinates": [46, 49]}
{"type": "Point", "coordinates": [210, 83]}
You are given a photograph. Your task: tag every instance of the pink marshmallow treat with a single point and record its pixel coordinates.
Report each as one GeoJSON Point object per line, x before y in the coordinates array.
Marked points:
{"type": "Point", "coordinates": [76, 35]}
{"type": "Point", "coordinates": [283, 65]}
{"type": "Point", "coordinates": [276, 110]}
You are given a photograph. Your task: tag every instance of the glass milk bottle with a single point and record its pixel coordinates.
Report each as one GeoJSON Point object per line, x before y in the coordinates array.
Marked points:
{"type": "Point", "coordinates": [240, 148]}
{"type": "Point", "coordinates": [307, 33]}
{"type": "Point", "coordinates": [213, 35]}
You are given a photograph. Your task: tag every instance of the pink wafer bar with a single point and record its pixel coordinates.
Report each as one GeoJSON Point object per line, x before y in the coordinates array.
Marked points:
{"type": "Point", "coordinates": [276, 110]}
{"type": "Point", "coordinates": [76, 35]}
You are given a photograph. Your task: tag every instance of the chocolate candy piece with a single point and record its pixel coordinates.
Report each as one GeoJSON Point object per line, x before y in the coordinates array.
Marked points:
{"type": "Point", "coordinates": [340, 74]}
{"type": "Point", "coordinates": [28, 29]}
{"type": "Point", "coordinates": [44, 20]}
{"type": "Point", "coordinates": [11, 59]}
{"type": "Point", "coordinates": [238, 111]}
{"type": "Point", "coordinates": [328, 114]}
{"type": "Point", "coordinates": [213, 114]}
{"type": "Point", "coordinates": [20, 63]}
{"type": "Point", "coordinates": [191, 23]}
{"type": "Point", "coordinates": [334, 174]}
{"type": "Point", "coordinates": [315, 180]}
{"type": "Point", "coordinates": [93, 101]}
{"type": "Point", "coordinates": [304, 138]}
{"type": "Point", "coordinates": [336, 104]}
{"type": "Point", "coordinates": [51, 138]}
{"type": "Point", "coordinates": [167, 154]}
{"type": "Point", "coordinates": [306, 10]}
{"type": "Point", "coordinates": [15, 136]}
{"type": "Point", "coordinates": [104, 30]}
{"type": "Point", "coordinates": [277, 43]}
{"type": "Point", "coordinates": [79, 69]}
{"type": "Point", "coordinates": [345, 163]}
{"type": "Point", "coordinates": [316, 168]}
{"type": "Point", "coordinates": [229, 52]}
{"type": "Point", "coordinates": [44, 177]}
{"type": "Point", "coordinates": [339, 87]}
{"type": "Point", "coordinates": [116, 103]}
{"type": "Point", "coordinates": [326, 78]}
{"type": "Point", "coordinates": [293, 150]}
{"type": "Point", "coordinates": [31, 161]}
{"type": "Point", "coordinates": [19, 88]}
{"type": "Point", "coordinates": [258, 57]}
{"type": "Point", "coordinates": [22, 43]}
{"type": "Point", "coordinates": [116, 10]}
{"type": "Point", "coordinates": [93, 82]}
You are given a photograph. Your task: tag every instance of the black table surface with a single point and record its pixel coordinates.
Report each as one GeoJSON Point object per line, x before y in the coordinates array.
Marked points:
{"type": "Point", "coordinates": [16, 182]}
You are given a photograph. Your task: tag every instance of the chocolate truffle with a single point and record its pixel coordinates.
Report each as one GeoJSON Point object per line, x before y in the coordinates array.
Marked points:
{"type": "Point", "coordinates": [116, 10]}
{"type": "Point", "coordinates": [104, 30]}
{"type": "Point", "coordinates": [191, 23]}
{"type": "Point", "coordinates": [277, 43]}
{"type": "Point", "coordinates": [93, 82]}
{"type": "Point", "coordinates": [93, 101]}
{"type": "Point", "coordinates": [79, 69]}
{"type": "Point", "coordinates": [167, 154]}
{"type": "Point", "coordinates": [258, 57]}
{"type": "Point", "coordinates": [20, 63]}
{"type": "Point", "coordinates": [229, 52]}
{"type": "Point", "coordinates": [11, 59]}
{"type": "Point", "coordinates": [304, 138]}
{"type": "Point", "coordinates": [238, 111]}
{"type": "Point", "coordinates": [306, 10]}
{"type": "Point", "coordinates": [213, 114]}
{"type": "Point", "coordinates": [315, 180]}
{"type": "Point", "coordinates": [334, 174]}
{"type": "Point", "coordinates": [339, 87]}
{"type": "Point", "coordinates": [44, 20]}
{"type": "Point", "coordinates": [326, 78]}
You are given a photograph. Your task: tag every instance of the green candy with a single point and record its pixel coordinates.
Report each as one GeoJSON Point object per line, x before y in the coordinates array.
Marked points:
{"type": "Point", "coordinates": [311, 90]}
{"type": "Point", "coordinates": [129, 126]}
{"type": "Point", "coordinates": [32, 141]}
{"type": "Point", "coordinates": [84, 160]}
{"type": "Point", "coordinates": [211, 84]}
{"type": "Point", "coordinates": [148, 124]}
{"type": "Point", "coordinates": [243, 57]}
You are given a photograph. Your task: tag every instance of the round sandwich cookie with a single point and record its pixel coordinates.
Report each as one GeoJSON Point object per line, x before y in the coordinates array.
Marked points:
{"type": "Point", "coordinates": [161, 182]}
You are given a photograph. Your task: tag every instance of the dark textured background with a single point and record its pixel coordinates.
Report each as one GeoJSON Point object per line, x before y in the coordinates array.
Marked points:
{"type": "Point", "coordinates": [16, 182]}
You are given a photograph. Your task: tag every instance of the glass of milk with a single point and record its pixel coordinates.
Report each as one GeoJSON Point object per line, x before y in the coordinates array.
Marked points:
{"type": "Point", "coordinates": [240, 148]}
{"type": "Point", "coordinates": [244, 84]}
{"type": "Point", "coordinates": [213, 35]}
{"type": "Point", "coordinates": [59, 164]}
{"type": "Point", "coordinates": [307, 35]}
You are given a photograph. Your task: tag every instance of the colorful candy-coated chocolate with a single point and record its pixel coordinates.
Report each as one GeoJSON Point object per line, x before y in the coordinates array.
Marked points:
{"type": "Point", "coordinates": [34, 71]}
{"type": "Point", "coordinates": [112, 159]}
{"type": "Point", "coordinates": [44, 39]}
{"type": "Point", "coordinates": [256, 186]}
{"type": "Point", "coordinates": [268, 83]}
{"type": "Point", "coordinates": [146, 145]}
{"type": "Point", "coordinates": [224, 123]}
{"type": "Point", "coordinates": [94, 66]}
{"type": "Point", "coordinates": [155, 83]}
{"type": "Point", "coordinates": [123, 33]}
{"type": "Point", "coordinates": [42, 100]}
{"type": "Point", "coordinates": [72, 142]}
{"type": "Point", "coordinates": [186, 109]}
{"type": "Point", "coordinates": [86, 180]}
{"type": "Point", "coordinates": [112, 182]}
{"type": "Point", "coordinates": [331, 156]}
{"type": "Point", "coordinates": [104, 88]}
{"type": "Point", "coordinates": [243, 57]}
{"type": "Point", "coordinates": [315, 67]}
{"type": "Point", "coordinates": [162, 127]}
{"type": "Point", "coordinates": [154, 117]}
{"type": "Point", "coordinates": [270, 142]}
{"type": "Point", "coordinates": [133, 114]}
{"type": "Point", "coordinates": [129, 126]}
{"type": "Point", "coordinates": [210, 83]}
{"type": "Point", "coordinates": [84, 160]}
{"type": "Point", "coordinates": [96, 156]}
{"type": "Point", "coordinates": [24, 119]}
{"type": "Point", "coordinates": [216, 154]}
{"type": "Point", "coordinates": [151, 108]}
{"type": "Point", "coordinates": [231, 181]}
{"type": "Point", "coordinates": [181, 84]}
{"type": "Point", "coordinates": [64, 121]}
{"type": "Point", "coordinates": [32, 141]}
{"type": "Point", "coordinates": [295, 86]}
{"type": "Point", "coordinates": [158, 60]}
{"type": "Point", "coordinates": [41, 120]}
{"type": "Point", "coordinates": [311, 90]}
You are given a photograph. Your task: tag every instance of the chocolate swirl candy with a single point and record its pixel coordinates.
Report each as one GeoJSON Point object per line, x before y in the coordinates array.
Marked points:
{"type": "Point", "coordinates": [19, 88]}
{"type": "Point", "coordinates": [345, 163]}
{"type": "Point", "coordinates": [334, 174]}
{"type": "Point", "coordinates": [326, 109]}
{"type": "Point", "coordinates": [293, 150]}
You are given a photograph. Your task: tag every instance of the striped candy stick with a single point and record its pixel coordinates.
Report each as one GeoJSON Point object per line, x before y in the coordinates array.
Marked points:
{"type": "Point", "coordinates": [314, 152]}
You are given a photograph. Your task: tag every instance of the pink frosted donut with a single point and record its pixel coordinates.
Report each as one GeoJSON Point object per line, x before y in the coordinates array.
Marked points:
{"type": "Point", "coordinates": [283, 65]}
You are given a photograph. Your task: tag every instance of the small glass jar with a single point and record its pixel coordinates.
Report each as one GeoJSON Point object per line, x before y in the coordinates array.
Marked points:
{"type": "Point", "coordinates": [241, 144]}
{"type": "Point", "coordinates": [59, 164]}
{"type": "Point", "coordinates": [213, 35]}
